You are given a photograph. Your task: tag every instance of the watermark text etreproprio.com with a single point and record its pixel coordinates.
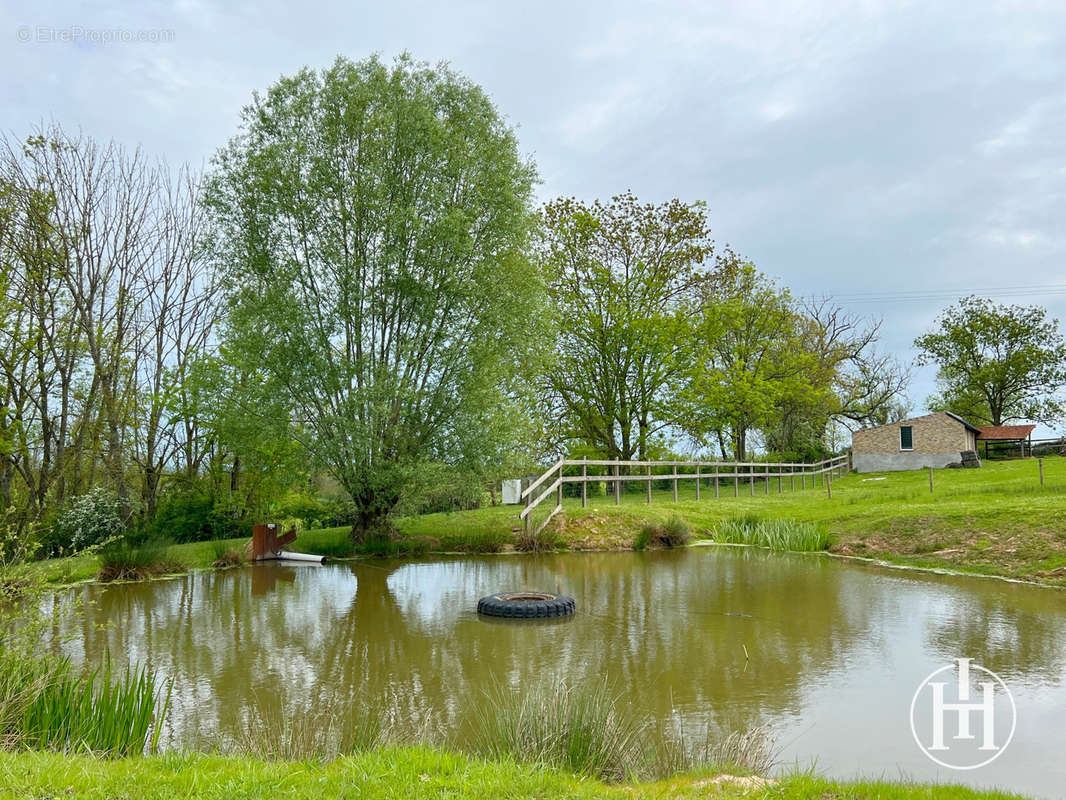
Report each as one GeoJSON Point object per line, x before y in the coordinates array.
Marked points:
{"type": "Point", "coordinates": [71, 34]}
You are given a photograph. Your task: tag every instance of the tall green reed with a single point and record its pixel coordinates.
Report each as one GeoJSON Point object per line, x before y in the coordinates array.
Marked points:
{"type": "Point", "coordinates": [46, 704]}
{"type": "Point", "coordinates": [776, 534]}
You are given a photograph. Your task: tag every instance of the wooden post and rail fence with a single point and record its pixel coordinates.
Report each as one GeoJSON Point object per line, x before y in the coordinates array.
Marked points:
{"type": "Point", "coordinates": [716, 473]}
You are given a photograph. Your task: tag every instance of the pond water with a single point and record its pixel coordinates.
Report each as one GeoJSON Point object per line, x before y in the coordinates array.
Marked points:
{"type": "Point", "coordinates": [829, 652]}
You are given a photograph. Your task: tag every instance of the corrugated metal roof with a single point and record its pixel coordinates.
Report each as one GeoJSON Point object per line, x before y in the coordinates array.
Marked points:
{"type": "Point", "coordinates": [1001, 432]}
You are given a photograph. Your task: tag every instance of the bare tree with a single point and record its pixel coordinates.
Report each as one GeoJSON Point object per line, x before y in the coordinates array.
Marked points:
{"type": "Point", "coordinates": [104, 303]}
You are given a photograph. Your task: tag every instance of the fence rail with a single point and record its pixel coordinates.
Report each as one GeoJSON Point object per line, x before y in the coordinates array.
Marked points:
{"type": "Point", "coordinates": [731, 473]}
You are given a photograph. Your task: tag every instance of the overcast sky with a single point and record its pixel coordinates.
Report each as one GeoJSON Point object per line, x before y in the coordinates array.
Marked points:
{"type": "Point", "coordinates": [860, 150]}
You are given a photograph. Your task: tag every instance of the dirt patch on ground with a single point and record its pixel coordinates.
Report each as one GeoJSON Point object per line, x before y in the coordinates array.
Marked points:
{"type": "Point", "coordinates": [743, 783]}
{"type": "Point", "coordinates": [596, 532]}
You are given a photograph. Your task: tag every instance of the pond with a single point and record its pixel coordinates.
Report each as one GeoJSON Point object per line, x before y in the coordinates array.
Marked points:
{"type": "Point", "coordinates": [827, 651]}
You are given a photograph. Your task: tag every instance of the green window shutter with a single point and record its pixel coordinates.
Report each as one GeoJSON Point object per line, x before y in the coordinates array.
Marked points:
{"type": "Point", "coordinates": [906, 437]}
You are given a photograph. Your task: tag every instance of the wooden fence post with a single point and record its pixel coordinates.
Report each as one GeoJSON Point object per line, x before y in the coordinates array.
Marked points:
{"type": "Point", "coordinates": [617, 483]}
{"type": "Point", "coordinates": [584, 482]}
{"type": "Point", "coordinates": [697, 482]}
{"type": "Point", "coordinates": [792, 478]}
{"type": "Point", "coordinates": [647, 485]}
{"type": "Point", "coordinates": [736, 481]}
{"type": "Point", "coordinates": [529, 501]}
{"type": "Point", "coordinates": [1040, 461]}
{"type": "Point", "coordinates": [930, 480]}
{"type": "Point", "coordinates": [675, 481]}
{"type": "Point", "coordinates": [828, 481]}
{"type": "Point", "coordinates": [559, 491]}
{"type": "Point", "coordinates": [767, 480]}
{"type": "Point", "coordinates": [715, 481]}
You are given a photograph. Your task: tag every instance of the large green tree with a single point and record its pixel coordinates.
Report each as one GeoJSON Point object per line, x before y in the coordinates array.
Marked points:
{"type": "Point", "coordinates": [624, 277]}
{"type": "Point", "coordinates": [371, 223]}
{"type": "Point", "coordinates": [995, 363]}
{"type": "Point", "coordinates": [787, 371]}
{"type": "Point", "coordinates": [750, 363]}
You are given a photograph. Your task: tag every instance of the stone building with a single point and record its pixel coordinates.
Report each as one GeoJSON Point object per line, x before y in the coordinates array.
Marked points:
{"type": "Point", "coordinates": [934, 440]}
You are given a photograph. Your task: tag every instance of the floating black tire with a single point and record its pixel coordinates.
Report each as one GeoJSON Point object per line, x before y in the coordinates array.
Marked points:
{"type": "Point", "coordinates": [526, 605]}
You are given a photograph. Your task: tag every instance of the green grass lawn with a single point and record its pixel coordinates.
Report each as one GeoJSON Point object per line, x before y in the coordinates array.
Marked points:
{"type": "Point", "coordinates": [391, 773]}
{"type": "Point", "coordinates": [995, 520]}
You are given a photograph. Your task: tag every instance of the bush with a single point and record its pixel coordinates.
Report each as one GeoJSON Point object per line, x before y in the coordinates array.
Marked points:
{"type": "Point", "coordinates": [185, 516]}
{"type": "Point", "coordinates": [307, 512]}
{"type": "Point", "coordinates": [90, 519]}
{"type": "Point", "coordinates": [438, 488]}
{"type": "Point", "coordinates": [193, 515]}
{"type": "Point", "coordinates": [674, 532]}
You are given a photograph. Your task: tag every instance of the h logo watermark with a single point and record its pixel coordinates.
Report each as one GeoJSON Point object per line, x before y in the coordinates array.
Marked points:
{"type": "Point", "coordinates": [979, 718]}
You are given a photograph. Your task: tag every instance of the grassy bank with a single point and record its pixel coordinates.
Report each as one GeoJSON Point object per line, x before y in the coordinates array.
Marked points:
{"type": "Point", "coordinates": [392, 773]}
{"type": "Point", "coordinates": [996, 520]}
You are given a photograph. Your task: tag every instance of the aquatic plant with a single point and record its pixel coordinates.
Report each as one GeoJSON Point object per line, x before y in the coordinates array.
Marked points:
{"type": "Point", "coordinates": [776, 534]}
{"type": "Point", "coordinates": [46, 704]}
{"type": "Point", "coordinates": [582, 729]}
{"type": "Point", "coordinates": [675, 532]}
{"type": "Point", "coordinates": [127, 559]}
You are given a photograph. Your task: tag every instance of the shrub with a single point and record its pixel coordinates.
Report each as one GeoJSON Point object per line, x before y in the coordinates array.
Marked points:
{"type": "Point", "coordinates": [193, 515]}
{"type": "Point", "coordinates": [438, 488]}
{"type": "Point", "coordinates": [185, 516]}
{"type": "Point", "coordinates": [675, 532]}
{"type": "Point", "coordinates": [127, 559]}
{"type": "Point", "coordinates": [90, 519]}
{"type": "Point", "coordinates": [305, 512]}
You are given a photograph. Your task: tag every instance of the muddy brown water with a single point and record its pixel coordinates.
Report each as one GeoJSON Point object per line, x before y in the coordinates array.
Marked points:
{"type": "Point", "coordinates": [827, 651]}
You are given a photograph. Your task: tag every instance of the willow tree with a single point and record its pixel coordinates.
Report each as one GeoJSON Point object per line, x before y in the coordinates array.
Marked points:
{"type": "Point", "coordinates": [370, 224]}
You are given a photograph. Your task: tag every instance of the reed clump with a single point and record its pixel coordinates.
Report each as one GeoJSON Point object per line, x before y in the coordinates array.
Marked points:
{"type": "Point", "coordinates": [47, 704]}
{"type": "Point", "coordinates": [776, 534]}
{"type": "Point", "coordinates": [126, 559]}
{"type": "Point", "coordinates": [226, 556]}
{"type": "Point", "coordinates": [580, 729]}
{"type": "Point", "coordinates": [674, 532]}
{"type": "Point", "coordinates": [588, 729]}
{"type": "Point", "coordinates": [320, 733]}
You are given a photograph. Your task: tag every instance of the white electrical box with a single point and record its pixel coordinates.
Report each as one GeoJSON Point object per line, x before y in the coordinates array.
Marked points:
{"type": "Point", "coordinates": [512, 492]}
